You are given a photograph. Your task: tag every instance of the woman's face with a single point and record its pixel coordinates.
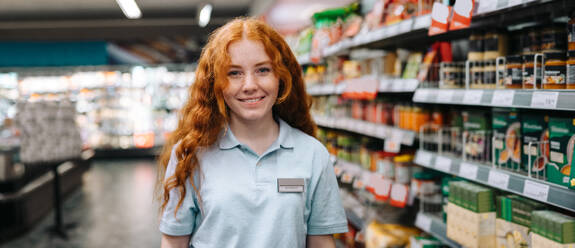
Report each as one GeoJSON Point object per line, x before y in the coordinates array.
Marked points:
{"type": "Point", "coordinates": [253, 85]}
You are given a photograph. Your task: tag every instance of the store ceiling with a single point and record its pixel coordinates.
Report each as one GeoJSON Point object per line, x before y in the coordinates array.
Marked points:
{"type": "Point", "coordinates": [103, 19]}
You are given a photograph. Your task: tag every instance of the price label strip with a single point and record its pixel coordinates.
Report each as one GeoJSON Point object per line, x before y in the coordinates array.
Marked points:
{"type": "Point", "coordinates": [467, 170]}
{"type": "Point", "coordinates": [498, 179]}
{"type": "Point", "coordinates": [545, 100]}
{"type": "Point", "coordinates": [423, 158]}
{"type": "Point", "coordinates": [443, 164]}
{"type": "Point", "coordinates": [472, 97]}
{"type": "Point", "coordinates": [421, 95]}
{"type": "Point", "coordinates": [445, 96]}
{"type": "Point", "coordinates": [424, 222]}
{"type": "Point", "coordinates": [503, 97]}
{"type": "Point", "coordinates": [536, 190]}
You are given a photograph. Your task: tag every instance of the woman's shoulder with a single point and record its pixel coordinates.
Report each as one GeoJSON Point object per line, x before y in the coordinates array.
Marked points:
{"type": "Point", "coordinates": [307, 142]}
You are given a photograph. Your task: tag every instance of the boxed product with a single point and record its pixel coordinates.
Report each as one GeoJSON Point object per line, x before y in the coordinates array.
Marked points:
{"type": "Point", "coordinates": [562, 144]}
{"type": "Point", "coordinates": [388, 235]}
{"type": "Point", "coordinates": [534, 129]}
{"type": "Point", "coordinates": [506, 143]}
{"type": "Point", "coordinates": [514, 215]}
{"type": "Point", "coordinates": [471, 214]}
{"type": "Point", "coordinates": [476, 126]}
{"type": "Point", "coordinates": [552, 229]}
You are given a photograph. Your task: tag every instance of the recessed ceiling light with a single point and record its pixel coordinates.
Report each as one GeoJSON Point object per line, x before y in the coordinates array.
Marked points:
{"type": "Point", "coordinates": [130, 8]}
{"type": "Point", "coordinates": [205, 15]}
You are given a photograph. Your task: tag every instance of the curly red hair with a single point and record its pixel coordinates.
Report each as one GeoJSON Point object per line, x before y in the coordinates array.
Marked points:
{"type": "Point", "coordinates": [205, 114]}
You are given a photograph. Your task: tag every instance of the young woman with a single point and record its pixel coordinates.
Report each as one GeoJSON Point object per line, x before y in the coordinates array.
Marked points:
{"type": "Point", "coordinates": [243, 168]}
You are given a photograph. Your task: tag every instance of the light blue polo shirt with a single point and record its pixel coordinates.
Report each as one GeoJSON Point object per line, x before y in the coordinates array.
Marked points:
{"type": "Point", "coordinates": [241, 203]}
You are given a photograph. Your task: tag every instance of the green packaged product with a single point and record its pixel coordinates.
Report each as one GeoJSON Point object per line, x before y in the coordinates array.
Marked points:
{"type": "Point", "coordinates": [476, 132]}
{"type": "Point", "coordinates": [554, 226]}
{"type": "Point", "coordinates": [562, 144]}
{"type": "Point", "coordinates": [506, 131]}
{"type": "Point", "coordinates": [534, 130]}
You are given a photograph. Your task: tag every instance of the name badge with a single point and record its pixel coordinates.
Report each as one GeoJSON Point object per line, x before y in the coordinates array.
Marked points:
{"type": "Point", "coordinates": [291, 185]}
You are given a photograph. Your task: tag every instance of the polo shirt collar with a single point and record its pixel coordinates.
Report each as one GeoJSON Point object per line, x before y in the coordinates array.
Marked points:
{"type": "Point", "coordinates": [228, 140]}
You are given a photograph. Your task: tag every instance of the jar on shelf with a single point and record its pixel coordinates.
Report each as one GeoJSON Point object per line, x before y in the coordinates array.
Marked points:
{"type": "Point", "coordinates": [554, 70]}
{"type": "Point", "coordinates": [489, 72]}
{"type": "Point", "coordinates": [514, 77]}
{"type": "Point", "coordinates": [475, 47]}
{"type": "Point", "coordinates": [495, 45]}
{"type": "Point", "coordinates": [571, 70]}
{"type": "Point", "coordinates": [528, 72]}
{"type": "Point", "coordinates": [403, 164]}
{"type": "Point", "coordinates": [476, 71]}
{"type": "Point", "coordinates": [385, 164]}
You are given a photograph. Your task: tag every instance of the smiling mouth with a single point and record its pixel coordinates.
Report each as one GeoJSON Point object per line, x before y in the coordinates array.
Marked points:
{"type": "Point", "coordinates": [252, 100]}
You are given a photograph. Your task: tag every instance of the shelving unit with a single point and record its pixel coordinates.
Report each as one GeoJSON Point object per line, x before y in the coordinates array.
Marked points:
{"type": "Point", "coordinates": [366, 128]}
{"type": "Point", "coordinates": [533, 188]}
{"type": "Point", "coordinates": [412, 34]}
{"type": "Point", "coordinates": [434, 226]}
{"type": "Point", "coordinates": [386, 85]}
{"type": "Point", "coordinates": [527, 99]}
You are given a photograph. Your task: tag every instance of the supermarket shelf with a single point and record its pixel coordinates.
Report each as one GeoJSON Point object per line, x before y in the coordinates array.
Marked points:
{"type": "Point", "coordinates": [434, 226]}
{"type": "Point", "coordinates": [354, 220]}
{"type": "Point", "coordinates": [387, 32]}
{"type": "Point", "coordinates": [366, 128]}
{"type": "Point", "coordinates": [529, 99]}
{"type": "Point", "coordinates": [386, 85]}
{"type": "Point", "coordinates": [539, 190]}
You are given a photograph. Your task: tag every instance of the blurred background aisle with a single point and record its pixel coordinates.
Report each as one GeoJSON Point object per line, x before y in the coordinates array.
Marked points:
{"type": "Point", "coordinates": [113, 208]}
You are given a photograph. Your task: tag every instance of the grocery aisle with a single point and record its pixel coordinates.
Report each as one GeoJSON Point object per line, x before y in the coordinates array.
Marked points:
{"type": "Point", "coordinates": [113, 208]}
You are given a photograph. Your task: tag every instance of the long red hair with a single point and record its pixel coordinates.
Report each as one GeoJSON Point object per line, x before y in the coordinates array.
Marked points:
{"type": "Point", "coordinates": [205, 114]}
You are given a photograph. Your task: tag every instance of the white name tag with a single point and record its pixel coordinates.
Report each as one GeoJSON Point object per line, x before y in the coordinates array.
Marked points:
{"type": "Point", "coordinates": [291, 185]}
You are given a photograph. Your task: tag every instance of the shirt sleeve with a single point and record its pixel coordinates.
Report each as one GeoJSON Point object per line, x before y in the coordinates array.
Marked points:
{"type": "Point", "coordinates": [183, 222]}
{"type": "Point", "coordinates": [327, 215]}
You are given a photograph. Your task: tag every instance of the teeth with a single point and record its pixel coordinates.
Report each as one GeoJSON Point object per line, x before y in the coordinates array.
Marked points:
{"type": "Point", "coordinates": [252, 100]}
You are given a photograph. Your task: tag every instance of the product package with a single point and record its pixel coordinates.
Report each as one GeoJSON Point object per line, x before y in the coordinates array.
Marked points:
{"type": "Point", "coordinates": [562, 144]}
{"type": "Point", "coordinates": [552, 229]}
{"type": "Point", "coordinates": [476, 126]}
{"type": "Point", "coordinates": [506, 131]}
{"type": "Point", "coordinates": [471, 215]}
{"type": "Point", "coordinates": [534, 130]}
{"type": "Point", "coordinates": [514, 215]}
{"type": "Point", "coordinates": [388, 235]}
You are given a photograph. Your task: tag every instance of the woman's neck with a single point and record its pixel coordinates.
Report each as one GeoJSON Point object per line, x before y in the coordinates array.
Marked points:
{"type": "Point", "coordinates": [257, 135]}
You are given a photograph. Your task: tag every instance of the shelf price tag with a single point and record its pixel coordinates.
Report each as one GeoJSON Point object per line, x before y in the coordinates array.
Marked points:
{"type": "Point", "coordinates": [445, 96]}
{"type": "Point", "coordinates": [498, 179]}
{"type": "Point", "coordinates": [393, 143]}
{"type": "Point", "coordinates": [546, 100]}
{"type": "Point", "coordinates": [421, 95]}
{"type": "Point", "coordinates": [408, 137]}
{"type": "Point", "coordinates": [384, 85]}
{"type": "Point", "coordinates": [423, 158]}
{"type": "Point", "coordinates": [443, 164]}
{"type": "Point", "coordinates": [503, 97]}
{"type": "Point", "coordinates": [424, 222]}
{"type": "Point", "coordinates": [381, 132]}
{"type": "Point", "coordinates": [536, 190]}
{"type": "Point", "coordinates": [398, 85]}
{"type": "Point", "coordinates": [472, 96]}
{"type": "Point", "coordinates": [467, 170]}
{"type": "Point", "coordinates": [411, 84]}
{"type": "Point", "coordinates": [405, 26]}
{"type": "Point", "coordinates": [392, 30]}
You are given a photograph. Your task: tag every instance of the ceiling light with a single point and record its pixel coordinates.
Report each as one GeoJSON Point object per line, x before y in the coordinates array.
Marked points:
{"type": "Point", "coordinates": [205, 14]}
{"type": "Point", "coordinates": [130, 8]}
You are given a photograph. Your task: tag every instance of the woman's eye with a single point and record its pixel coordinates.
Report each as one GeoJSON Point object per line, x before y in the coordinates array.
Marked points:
{"type": "Point", "coordinates": [234, 73]}
{"type": "Point", "coordinates": [264, 70]}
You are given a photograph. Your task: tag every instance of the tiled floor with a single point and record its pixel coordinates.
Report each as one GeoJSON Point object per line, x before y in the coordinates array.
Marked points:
{"type": "Point", "coordinates": [114, 208]}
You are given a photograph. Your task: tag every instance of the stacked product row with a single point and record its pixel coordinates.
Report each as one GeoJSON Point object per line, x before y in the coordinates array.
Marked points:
{"type": "Point", "coordinates": [478, 216]}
